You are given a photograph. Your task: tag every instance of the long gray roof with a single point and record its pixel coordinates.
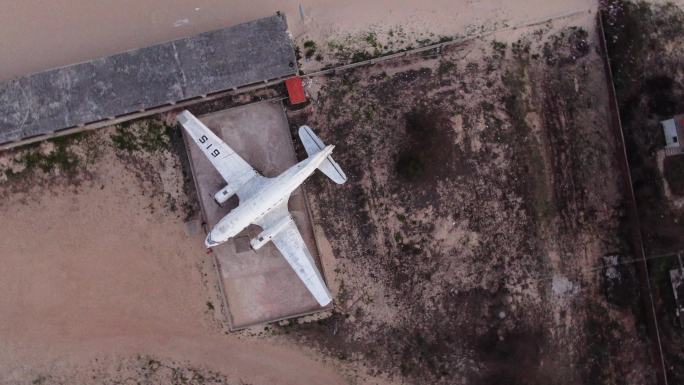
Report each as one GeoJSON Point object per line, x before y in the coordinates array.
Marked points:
{"type": "Point", "coordinates": [144, 78]}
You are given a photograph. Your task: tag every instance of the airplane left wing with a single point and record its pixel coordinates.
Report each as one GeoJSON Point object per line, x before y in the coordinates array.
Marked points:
{"type": "Point", "coordinates": [291, 245]}
{"type": "Point", "coordinates": [234, 170]}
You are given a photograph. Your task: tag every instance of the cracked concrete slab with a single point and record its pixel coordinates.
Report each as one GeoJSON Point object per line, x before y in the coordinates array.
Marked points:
{"type": "Point", "coordinates": [145, 78]}
{"type": "Point", "coordinates": [259, 286]}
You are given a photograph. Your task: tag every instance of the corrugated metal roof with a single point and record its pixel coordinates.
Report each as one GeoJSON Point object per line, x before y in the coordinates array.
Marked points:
{"type": "Point", "coordinates": [670, 132]}
{"type": "Point", "coordinates": [295, 90]}
{"type": "Point", "coordinates": [673, 129]}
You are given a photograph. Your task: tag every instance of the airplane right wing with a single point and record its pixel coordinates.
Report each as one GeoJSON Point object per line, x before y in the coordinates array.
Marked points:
{"type": "Point", "coordinates": [291, 245]}
{"type": "Point", "coordinates": [234, 170]}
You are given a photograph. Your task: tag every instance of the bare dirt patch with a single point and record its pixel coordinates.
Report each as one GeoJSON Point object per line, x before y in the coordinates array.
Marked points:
{"type": "Point", "coordinates": [101, 281]}
{"type": "Point", "coordinates": [674, 174]}
{"type": "Point", "coordinates": [481, 196]}
{"type": "Point", "coordinates": [645, 42]}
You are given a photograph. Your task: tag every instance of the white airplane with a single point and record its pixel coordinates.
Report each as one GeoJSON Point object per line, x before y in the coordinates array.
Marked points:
{"type": "Point", "coordinates": [263, 201]}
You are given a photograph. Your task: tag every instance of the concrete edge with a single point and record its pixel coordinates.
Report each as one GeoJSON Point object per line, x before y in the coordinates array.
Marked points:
{"type": "Point", "coordinates": [225, 311]}
{"type": "Point", "coordinates": [141, 114]}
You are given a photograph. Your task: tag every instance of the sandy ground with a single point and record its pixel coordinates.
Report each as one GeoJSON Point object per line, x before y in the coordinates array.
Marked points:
{"type": "Point", "coordinates": [103, 270]}
{"type": "Point", "coordinates": [98, 267]}
{"type": "Point", "coordinates": [38, 35]}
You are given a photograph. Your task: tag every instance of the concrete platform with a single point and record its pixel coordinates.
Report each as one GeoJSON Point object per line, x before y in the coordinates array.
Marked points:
{"type": "Point", "coordinates": [259, 286]}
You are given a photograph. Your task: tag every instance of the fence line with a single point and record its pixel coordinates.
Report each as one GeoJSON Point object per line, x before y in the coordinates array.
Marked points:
{"type": "Point", "coordinates": [439, 46]}
{"type": "Point", "coordinates": [636, 238]}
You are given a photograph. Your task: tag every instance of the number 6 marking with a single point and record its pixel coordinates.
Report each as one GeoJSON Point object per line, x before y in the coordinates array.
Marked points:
{"type": "Point", "coordinates": [215, 153]}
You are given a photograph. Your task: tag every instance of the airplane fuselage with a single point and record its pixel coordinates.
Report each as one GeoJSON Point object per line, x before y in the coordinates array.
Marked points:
{"type": "Point", "coordinates": [269, 193]}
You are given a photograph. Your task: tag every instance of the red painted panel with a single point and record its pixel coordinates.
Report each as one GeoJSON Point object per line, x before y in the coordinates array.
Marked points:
{"type": "Point", "coordinates": [295, 90]}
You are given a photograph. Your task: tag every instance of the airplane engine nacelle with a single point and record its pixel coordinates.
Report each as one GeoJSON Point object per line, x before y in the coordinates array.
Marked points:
{"type": "Point", "coordinates": [224, 194]}
{"type": "Point", "coordinates": [265, 236]}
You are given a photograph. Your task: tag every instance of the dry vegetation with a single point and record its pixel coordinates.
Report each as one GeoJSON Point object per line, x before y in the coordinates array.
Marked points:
{"type": "Point", "coordinates": [471, 238]}
{"type": "Point", "coordinates": [150, 149]}
{"type": "Point", "coordinates": [143, 369]}
{"type": "Point", "coordinates": [482, 198]}
{"type": "Point", "coordinates": [646, 49]}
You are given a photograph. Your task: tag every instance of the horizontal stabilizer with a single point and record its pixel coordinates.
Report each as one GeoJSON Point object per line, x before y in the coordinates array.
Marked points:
{"type": "Point", "coordinates": [312, 143]}
{"type": "Point", "coordinates": [332, 170]}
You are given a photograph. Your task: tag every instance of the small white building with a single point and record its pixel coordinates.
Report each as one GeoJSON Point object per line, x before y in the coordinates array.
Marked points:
{"type": "Point", "coordinates": [673, 129]}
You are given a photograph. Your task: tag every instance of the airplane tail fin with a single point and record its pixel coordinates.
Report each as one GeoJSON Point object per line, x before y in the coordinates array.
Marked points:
{"type": "Point", "coordinates": [313, 144]}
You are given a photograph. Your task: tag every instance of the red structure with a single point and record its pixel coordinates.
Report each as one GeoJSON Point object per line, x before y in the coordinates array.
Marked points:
{"type": "Point", "coordinates": [295, 90]}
